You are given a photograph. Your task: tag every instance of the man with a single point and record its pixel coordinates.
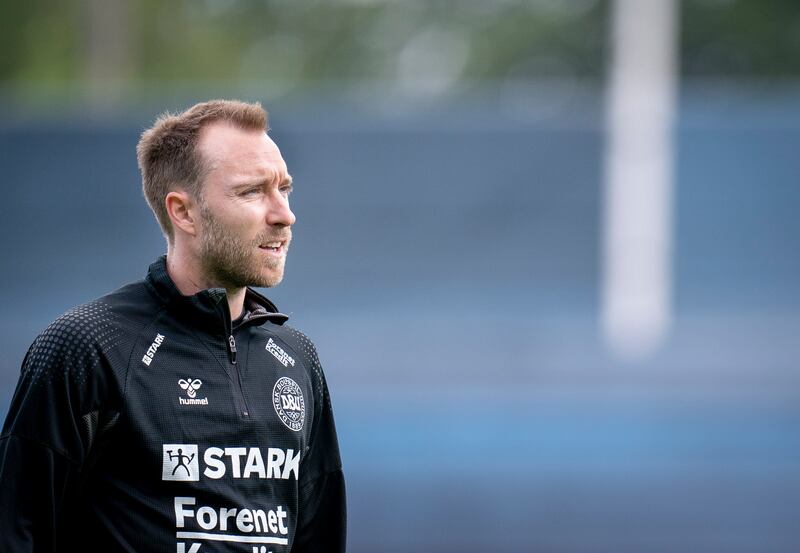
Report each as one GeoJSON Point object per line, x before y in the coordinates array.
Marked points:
{"type": "Point", "coordinates": [180, 413]}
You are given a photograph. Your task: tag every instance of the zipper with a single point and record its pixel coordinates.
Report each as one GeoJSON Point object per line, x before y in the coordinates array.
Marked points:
{"type": "Point", "coordinates": [244, 410]}
{"type": "Point", "coordinates": [241, 402]}
{"type": "Point", "coordinates": [232, 349]}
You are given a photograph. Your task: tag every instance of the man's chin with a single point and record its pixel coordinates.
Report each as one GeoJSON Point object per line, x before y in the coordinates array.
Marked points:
{"type": "Point", "coordinates": [270, 279]}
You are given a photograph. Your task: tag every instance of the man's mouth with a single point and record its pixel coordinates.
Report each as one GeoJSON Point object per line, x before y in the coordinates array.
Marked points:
{"type": "Point", "coordinates": [277, 246]}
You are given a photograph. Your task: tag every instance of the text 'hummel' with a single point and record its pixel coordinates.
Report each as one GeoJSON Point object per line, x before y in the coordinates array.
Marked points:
{"type": "Point", "coordinates": [279, 354]}
{"type": "Point", "coordinates": [191, 386]}
{"type": "Point", "coordinates": [151, 351]}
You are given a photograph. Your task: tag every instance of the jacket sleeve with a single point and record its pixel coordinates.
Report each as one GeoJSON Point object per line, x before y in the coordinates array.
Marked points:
{"type": "Point", "coordinates": [322, 518]}
{"type": "Point", "coordinates": [323, 515]}
{"type": "Point", "coordinates": [47, 434]}
{"type": "Point", "coordinates": [35, 480]}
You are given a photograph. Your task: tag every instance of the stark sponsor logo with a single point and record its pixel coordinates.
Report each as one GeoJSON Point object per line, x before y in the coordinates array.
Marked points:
{"type": "Point", "coordinates": [181, 463]}
{"type": "Point", "coordinates": [279, 354]}
{"type": "Point", "coordinates": [151, 351]}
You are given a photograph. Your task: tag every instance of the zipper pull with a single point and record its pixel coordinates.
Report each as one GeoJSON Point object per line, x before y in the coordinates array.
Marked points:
{"type": "Point", "coordinates": [232, 349]}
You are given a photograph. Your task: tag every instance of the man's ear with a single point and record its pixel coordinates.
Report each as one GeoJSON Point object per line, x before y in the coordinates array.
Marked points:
{"type": "Point", "coordinates": [182, 211]}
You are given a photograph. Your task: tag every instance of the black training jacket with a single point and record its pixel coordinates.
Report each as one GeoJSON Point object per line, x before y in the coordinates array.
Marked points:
{"type": "Point", "coordinates": [146, 421]}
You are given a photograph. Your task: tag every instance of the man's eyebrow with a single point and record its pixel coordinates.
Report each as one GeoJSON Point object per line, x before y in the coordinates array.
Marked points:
{"type": "Point", "coordinates": [287, 181]}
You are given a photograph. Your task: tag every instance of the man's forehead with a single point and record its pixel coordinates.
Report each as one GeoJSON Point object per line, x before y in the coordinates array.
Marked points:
{"type": "Point", "coordinates": [222, 143]}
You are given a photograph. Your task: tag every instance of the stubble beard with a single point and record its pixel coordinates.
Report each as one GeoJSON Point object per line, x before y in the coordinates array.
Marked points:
{"type": "Point", "coordinates": [230, 263]}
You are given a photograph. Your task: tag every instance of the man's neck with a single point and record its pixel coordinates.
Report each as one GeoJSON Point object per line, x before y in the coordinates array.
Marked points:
{"type": "Point", "coordinates": [189, 278]}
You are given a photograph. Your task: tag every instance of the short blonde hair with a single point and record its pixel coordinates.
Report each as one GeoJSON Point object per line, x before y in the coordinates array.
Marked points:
{"type": "Point", "coordinates": [167, 151]}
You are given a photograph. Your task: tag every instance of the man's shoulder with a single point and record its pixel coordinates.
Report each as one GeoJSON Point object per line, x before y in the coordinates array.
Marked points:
{"type": "Point", "coordinates": [98, 333]}
{"type": "Point", "coordinates": [298, 340]}
{"type": "Point", "coordinates": [100, 322]}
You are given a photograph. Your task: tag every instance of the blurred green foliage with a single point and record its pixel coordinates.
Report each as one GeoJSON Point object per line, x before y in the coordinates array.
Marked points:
{"type": "Point", "coordinates": [302, 44]}
{"type": "Point", "coordinates": [299, 42]}
{"type": "Point", "coordinates": [741, 38]}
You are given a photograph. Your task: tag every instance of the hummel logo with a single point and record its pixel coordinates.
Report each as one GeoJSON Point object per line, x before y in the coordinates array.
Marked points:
{"type": "Point", "coordinates": [191, 387]}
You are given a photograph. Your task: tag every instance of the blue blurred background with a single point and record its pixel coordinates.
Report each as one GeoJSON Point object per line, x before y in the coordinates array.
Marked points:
{"type": "Point", "coordinates": [450, 167]}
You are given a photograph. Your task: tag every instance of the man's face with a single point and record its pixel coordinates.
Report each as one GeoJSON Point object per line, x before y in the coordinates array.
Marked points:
{"type": "Point", "coordinates": [245, 220]}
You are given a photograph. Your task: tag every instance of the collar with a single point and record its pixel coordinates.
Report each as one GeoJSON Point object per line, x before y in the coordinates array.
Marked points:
{"type": "Point", "coordinates": [209, 308]}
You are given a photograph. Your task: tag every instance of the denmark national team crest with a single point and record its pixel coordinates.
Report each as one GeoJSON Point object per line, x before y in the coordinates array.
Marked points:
{"type": "Point", "coordinates": [287, 398]}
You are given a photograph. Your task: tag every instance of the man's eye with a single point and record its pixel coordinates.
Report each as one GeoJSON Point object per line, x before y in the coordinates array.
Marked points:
{"type": "Point", "coordinates": [251, 191]}
{"type": "Point", "coordinates": [286, 190]}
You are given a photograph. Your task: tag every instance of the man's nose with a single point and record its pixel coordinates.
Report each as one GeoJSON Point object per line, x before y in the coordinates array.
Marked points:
{"type": "Point", "coordinates": [280, 214]}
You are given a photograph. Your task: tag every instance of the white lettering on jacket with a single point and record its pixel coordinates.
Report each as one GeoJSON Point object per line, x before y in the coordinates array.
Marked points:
{"type": "Point", "coordinates": [180, 462]}
{"type": "Point", "coordinates": [248, 463]}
